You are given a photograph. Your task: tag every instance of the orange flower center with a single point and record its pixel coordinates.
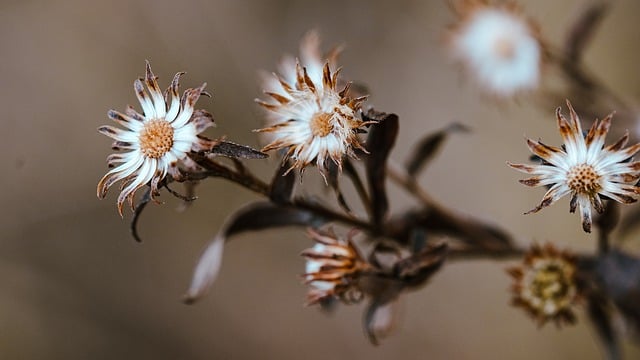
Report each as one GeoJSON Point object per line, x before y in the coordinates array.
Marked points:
{"type": "Point", "coordinates": [505, 48]}
{"type": "Point", "coordinates": [583, 179]}
{"type": "Point", "coordinates": [156, 138]}
{"type": "Point", "coordinates": [321, 124]}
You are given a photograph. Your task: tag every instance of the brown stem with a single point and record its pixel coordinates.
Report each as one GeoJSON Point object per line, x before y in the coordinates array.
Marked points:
{"type": "Point", "coordinates": [437, 218]}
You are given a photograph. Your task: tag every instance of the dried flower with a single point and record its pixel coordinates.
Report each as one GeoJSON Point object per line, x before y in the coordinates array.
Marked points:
{"type": "Point", "coordinates": [310, 117]}
{"type": "Point", "coordinates": [155, 142]}
{"type": "Point", "coordinates": [583, 167]}
{"type": "Point", "coordinates": [332, 268]}
{"type": "Point", "coordinates": [497, 45]}
{"type": "Point", "coordinates": [545, 285]}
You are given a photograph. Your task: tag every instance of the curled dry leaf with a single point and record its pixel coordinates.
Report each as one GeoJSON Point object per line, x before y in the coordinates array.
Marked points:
{"type": "Point", "coordinates": [382, 137]}
{"type": "Point", "coordinates": [256, 216]}
{"type": "Point", "coordinates": [428, 147]}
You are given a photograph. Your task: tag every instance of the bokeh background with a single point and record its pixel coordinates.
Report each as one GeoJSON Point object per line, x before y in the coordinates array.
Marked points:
{"type": "Point", "coordinates": [76, 286]}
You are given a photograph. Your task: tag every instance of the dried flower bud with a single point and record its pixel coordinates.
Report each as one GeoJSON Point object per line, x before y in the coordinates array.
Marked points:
{"type": "Point", "coordinates": [545, 285]}
{"type": "Point", "coordinates": [332, 268]}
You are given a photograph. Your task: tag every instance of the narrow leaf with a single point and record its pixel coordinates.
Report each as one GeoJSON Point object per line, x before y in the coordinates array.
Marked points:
{"type": "Point", "coordinates": [237, 151]}
{"type": "Point", "coordinates": [440, 221]}
{"type": "Point", "coordinates": [601, 318]}
{"type": "Point", "coordinates": [382, 137]}
{"type": "Point", "coordinates": [380, 319]}
{"type": "Point", "coordinates": [583, 28]}
{"type": "Point", "coordinates": [619, 276]}
{"type": "Point", "coordinates": [253, 217]}
{"type": "Point", "coordinates": [428, 147]}
{"type": "Point", "coordinates": [418, 268]}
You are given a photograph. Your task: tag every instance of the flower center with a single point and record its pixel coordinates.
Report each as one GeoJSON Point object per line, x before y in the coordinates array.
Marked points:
{"type": "Point", "coordinates": [583, 179]}
{"type": "Point", "coordinates": [321, 124]}
{"type": "Point", "coordinates": [156, 138]}
{"type": "Point", "coordinates": [550, 288]}
{"type": "Point", "coordinates": [505, 48]}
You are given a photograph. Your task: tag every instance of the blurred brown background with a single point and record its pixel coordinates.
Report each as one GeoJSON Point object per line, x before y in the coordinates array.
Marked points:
{"type": "Point", "coordinates": [76, 286]}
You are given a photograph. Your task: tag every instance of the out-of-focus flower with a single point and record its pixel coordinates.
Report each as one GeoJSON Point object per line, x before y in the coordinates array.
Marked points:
{"type": "Point", "coordinates": [155, 142]}
{"type": "Point", "coordinates": [310, 117]}
{"type": "Point", "coordinates": [584, 168]}
{"type": "Point", "coordinates": [332, 268]}
{"type": "Point", "coordinates": [311, 58]}
{"type": "Point", "coordinates": [498, 46]}
{"type": "Point", "coordinates": [545, 285]}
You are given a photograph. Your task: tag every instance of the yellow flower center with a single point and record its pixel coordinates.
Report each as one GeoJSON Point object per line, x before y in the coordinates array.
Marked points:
{"type": "Point", "coordinates": [583, 179]}
{"type": "Point", "coordinates": [156, 138]}
{"type": "Point", "coordinates": [549, 288]}
{"type": "Point", "coordinates": [321, 124]}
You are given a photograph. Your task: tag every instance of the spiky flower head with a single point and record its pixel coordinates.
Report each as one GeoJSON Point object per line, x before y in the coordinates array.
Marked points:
{"type": "Point", "coordinates": [155, 143]}
{"type": "Point", "coordinates": [584, 168]}
{"type": "Point", "coordinates": [311, 117]}
{"type": "Point", "coordinates": [545, 285]}
{"type": "Point", "coordinates": [332, 268]}
{"type": "Point", "coordinates": [497, 45]}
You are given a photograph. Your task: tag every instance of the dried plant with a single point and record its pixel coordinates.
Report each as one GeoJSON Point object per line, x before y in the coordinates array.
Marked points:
{"type": "Point", "coordinates": [315, 118]}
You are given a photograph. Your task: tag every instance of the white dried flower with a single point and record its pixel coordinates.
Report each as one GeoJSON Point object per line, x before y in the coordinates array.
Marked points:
{"type": "Point", "coordinates": [310, 117]}
{"type": "Point", "coordinates": [155, 142]}
{"type": "Point", "coordinates": [584, 168]}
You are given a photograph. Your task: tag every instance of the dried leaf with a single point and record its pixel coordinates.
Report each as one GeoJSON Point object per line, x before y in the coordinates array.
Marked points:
{"type": "Point", "coordinates": [583, 27]}
{"type": "Point", "coordinates": [439, 221]}
{"type": "Point", "coordinates": [429, 146]}
{"type": "Point", "coordinates": [282, 184]}
{"type": "Point", "coordinates": [380, 319]}
{"type": "Point", "coordinates": [418, 268]}
{"type": "Point", "coordinates": [236, 151]}
{"type": "Point", "coordinates": [382, 137]}
{"type": "Point", "coordinates": [351, 172]}
{"type": "Point", "coordinates": [600, 317]}
{"type": "Point", "coordinates": [253, 217]}
{"type": "Point", "coordinates": [618, 275]}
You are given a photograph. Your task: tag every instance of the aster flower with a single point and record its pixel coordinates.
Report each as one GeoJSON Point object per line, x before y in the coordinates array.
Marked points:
{"type": "Point", "coordinates": [332, 268]}
{"type": "Point", "coordinates": [311, 118]}
{"type": "Point", "coordinates": [545, 285]}
{"type": "Point", "coordinates": [497, 45]}
{"type": "Point", "coordinates": [156, 142]}
{"type": "Point", "coordinates": [583, 167]}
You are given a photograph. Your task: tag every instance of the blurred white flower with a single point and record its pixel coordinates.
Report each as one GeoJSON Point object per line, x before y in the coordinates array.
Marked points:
{"type": "Point", "coordinates": [498, 47]}
{"type": "Point", "coordinates": [156, 141]}
{"type": "Point", "coordinates": [584, 168]}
